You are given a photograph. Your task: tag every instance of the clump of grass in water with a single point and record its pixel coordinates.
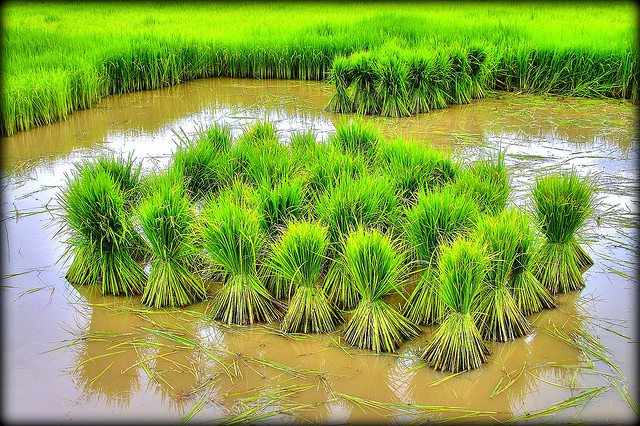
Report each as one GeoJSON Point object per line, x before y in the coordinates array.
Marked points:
{"type": "Point", "coordinates": [168, 223]}
{"type": "Point", "coordinates": [298, 256]}
{"type": "Point", "coordinates": [341, 77]}
{"type": "Point", "coordinates": [232, 236]}
{"type": "Point", "coordinates": [325, 164]}
{"type": "Point", "coordinates": [426, 81]}
{"type": "Point", "coordinates": [281, 203]}
{"type": "Point", "coordinates": [356, 137]}
{"type": "Point", "coordinates": [436, 219]}
{"type": "Point", "coordinates": [457, 344]}
{"type": "Point", "coordinates": [392, 93]}
{"type": "Point", "coordinates": [414, 167]}
{"type": "Point", "coordinates": [530, 295]}
{"type": "Point", "coordinates": [487, 183]}
{"type": "Point", "coordinates": [203, 161]}
{"type": "Point", "coordinates": [561, 204]}
{"type": "Point", "coordinates": [499, 318]}
{"type": "Point", "coordinates": [375, 266]}
{"type": "Point", "coordinates": [101, 234]}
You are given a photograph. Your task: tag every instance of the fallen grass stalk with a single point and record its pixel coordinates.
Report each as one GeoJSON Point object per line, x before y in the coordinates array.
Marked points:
{"type": "Point", "coordinates": [580, 400]}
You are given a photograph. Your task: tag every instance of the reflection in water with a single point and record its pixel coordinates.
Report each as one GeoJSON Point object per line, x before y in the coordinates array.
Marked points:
{"type": "Point", "coordinates": [121, 366]}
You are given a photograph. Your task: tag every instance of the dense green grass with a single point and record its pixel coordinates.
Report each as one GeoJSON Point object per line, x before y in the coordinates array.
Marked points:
{"type": "Point", "coordinates": [61, 57]}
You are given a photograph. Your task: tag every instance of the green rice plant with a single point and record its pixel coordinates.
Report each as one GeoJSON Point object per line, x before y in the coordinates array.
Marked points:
{"type": "Point", "coordinates": [297, 256]}
{"type": "Point", "coordinates": [487, 183]}
{"type": "Point", "coordinates": [459, 81]}
{"type": "Point", "coordinates": [499, 318]}
{"type": "Point", "coordinates": [562, 202]}
{"type": "Point", "coordinates": [457, 344]}
{"type": "Point", "coordinates": [477, 59]}
{"type": "Point", "coordinates": [125, 172]}
{"type": "Point", "coordinates": [365, 79]}
{"type": "Point", "coordinates": [436, 219]}
{"type": "Point", "coordinates": [341, 77]}
{"type": "Point", "coordinates": [261, 164]}
{"type": "Point", "coordinates": [260, 133]}
{"type": "Point", "coordinates": [283, 202]}
{"type": "Point", "coordinates": [369, 201]}
{"type": "Point", "coordinates": [169, 224]}
{"type": "Point", "coordinates": [375, 266]}
{"type": "Point", "coordinates": [356, 137]}
{"type": "Point", "coordinates": [426, 82]}
{"type": "Point", "coordinates": [233, 239]}
{"type": "Point", "coordinates": [326, 164]}
{"type": "Point", "coordinates": [302, 143]}
{"type": "Point", "coordinates": [203, 162]}
{"type": "Point", "coordinates": [392, 92]}
{"type": "Point", "coordinates": [218, 136]}
{"type": "Point", "coordinates": [413, 166]}
{"type": "Point", "coordinates": [530, 295]}
{"type": "Point", "coordinates": [101, 234]}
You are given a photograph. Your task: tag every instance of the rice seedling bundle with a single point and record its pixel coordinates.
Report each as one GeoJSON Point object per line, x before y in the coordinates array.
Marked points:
{"type": "Point", "coordinates": [326, 164]}
{"type": "Point", "coordinates": [302, 143]}
{"type": "Point", "coordinates": [414, 167]}
{"type": "Point", "coordinates": [457, 344]}
{"type": "Point", "coordinates": [356, 137]}
{"type": "Point", "coordinates": [460, 82]}
{"type": "Point", "coordinates": [297, 256]}
{"type": "Point", "coordinates": [101, 235]}
{"type": "Point", "coordinates": [393, 95]}
{"type": "Point", "coordinates": [426, 81]}
{"type": "Point", "coordinates": [530, 295]}
{"type": "Point", "coordinates": [233, 239]}
{"type": "Point", "coordinates": [365, 79]}
{"type": "Point", "coordinates": [169, 224]}
{"type": "Point", "coordinates": [283, 202]}
{"type": "Point", "coordinates": [375, 266]}
{"type": "Point", "coordinates": [436, 219]}
{"type": "Point", "coordinates": [487, 183]}
{"type": "Point", "coordinates": [499, 318]}
{"type": "Point", "coordinates": [341, 76]}
{"type": "Point", "coordinates": [562, 202]}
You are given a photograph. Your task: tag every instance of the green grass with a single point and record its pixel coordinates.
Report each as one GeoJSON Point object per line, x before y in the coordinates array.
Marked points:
{"type": "Point", "coordinates": [101, 237]}
{"type": "Point", "coordinates": [169, 225]}
{"type": "Point", "coordinates": [374, 265]}
{"type": "Point", "coordinates": [457, 344]}
{"type": "Point", "coordinates": [562, 202]}
{"type": "Point", "coordinates": [64, 57]}
{"type": "Point", "coordinates": [486, 181]}
{"type": "Point", "coordinates": [298, 256]}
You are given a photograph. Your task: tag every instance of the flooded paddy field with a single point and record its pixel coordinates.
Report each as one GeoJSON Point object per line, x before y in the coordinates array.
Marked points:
{"type": "Point", "coordinates": [73, 354]}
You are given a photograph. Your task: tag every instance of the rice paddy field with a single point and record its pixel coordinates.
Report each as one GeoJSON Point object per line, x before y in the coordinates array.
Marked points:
{"type": "Point", "coordinates": [425, 214]}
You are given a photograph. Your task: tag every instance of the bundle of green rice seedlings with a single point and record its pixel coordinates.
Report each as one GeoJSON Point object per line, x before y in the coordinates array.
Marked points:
{"type": "Point", "coordinates": [262, 165]}
{"type": "Point", "coordinates": [499, 318]}
{"type": "Point", "coordinates": [169, 225]}
{"type": "Point", "coordinates": [260, 133]}
{"type": "Point", "coordinates": [297, 256]}
{"type": "Point", "coordinates": [205, 167]}
{"type": "Point", "coordinates": [233, 238]}
{"type": "Point", "coordinates": [365, 80]}
{"type": "Point", "coordinates": [477, 63]}
{"type": "Point", "coordinates": [424, 72]}
{"type": "Point", "coordinates": [530, 295]}
{"type": "Point", "coordinates": [436, 219]}
{"type": "Point", "coordinates": [283, 202]}
{"type": "Point", "coordinates": [562, 202]}
{"type": "Point", "coordinates": [125, 172]}
{"type": "Point", "coordinates": [356, 137]}
{"type": "Point", "coordinates": [325, 164]}
{"type": "Point", "coordinates": [218, 136]}
{"type": "Point", "coordinates": [457, 344]}
{"type": "Point", "coordinates": [101, 235]}
{"type": "Point", "coordinates": [302, 143]}
{"type": "Point", "coordinates": [341, 76]}
{"type": "Point", "coordinates": [460, 82]}
{"type": "Point", "coordinates": [413, 166]}
{"type": "Point", "coordinates": [392, 76]}
{"type": "Point", "coordinates": [487, 183]}
{"type": "Point", "coordinates": [375, 265]}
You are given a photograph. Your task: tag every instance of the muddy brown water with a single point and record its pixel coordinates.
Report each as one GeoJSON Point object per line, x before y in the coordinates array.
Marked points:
{"type": "Point", "coordinates": [72, 354]}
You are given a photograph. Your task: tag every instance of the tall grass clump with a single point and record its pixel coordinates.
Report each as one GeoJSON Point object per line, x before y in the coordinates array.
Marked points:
{"type": "Point", "coordinates": [325, 164]}
{"type": "Point", "coordinates": [426, 81]}
{"type": "Point", "coordinates": [530, 295]}
{"type": "Point", "coordinates": [436, 219]}
{"type": "Point", "coordinates": [457, 344]}
{"type": "Point", "coordinates": [125, 172]}
{"type": "Point", "coordinates": [486, 181]}
{"type": "Point", "coordinates": [169, 225]}
{"type": "Point", "coordinates": [562, 202]}
{"type": "Point", "coordinates": [233, 240]}
{"type": "Point", "coordinates": [414, 167]}
{"type": "Point", "coordinates": [499, 318]}
{"type": "Point", "coordinates": [341, 76]}
{"type": "Point", "coordinates": [203, 161]}
{"type": "Point", "coordinates": [284, 202]}
{"type": "Point", "coordinates": [297, 256]}
{"type": "Point", "coordinates": [101, 234]}
{"type": "Point", "coordinates": [356, 137]}
{"type": "Point", "coordinates": [375, 265]}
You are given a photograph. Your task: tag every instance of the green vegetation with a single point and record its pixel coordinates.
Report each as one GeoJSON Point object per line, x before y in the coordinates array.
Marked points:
{"type": "Point", "coordinates": [562, 202]}
{"type": "Point", "coordinates": [101, 238]}
{"type": "Point", "coordinates": [168, 223]}
{"type": "Point", "coordinates": [64, 57]}
{"type": "Point", "coordinates": [321, 231]}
